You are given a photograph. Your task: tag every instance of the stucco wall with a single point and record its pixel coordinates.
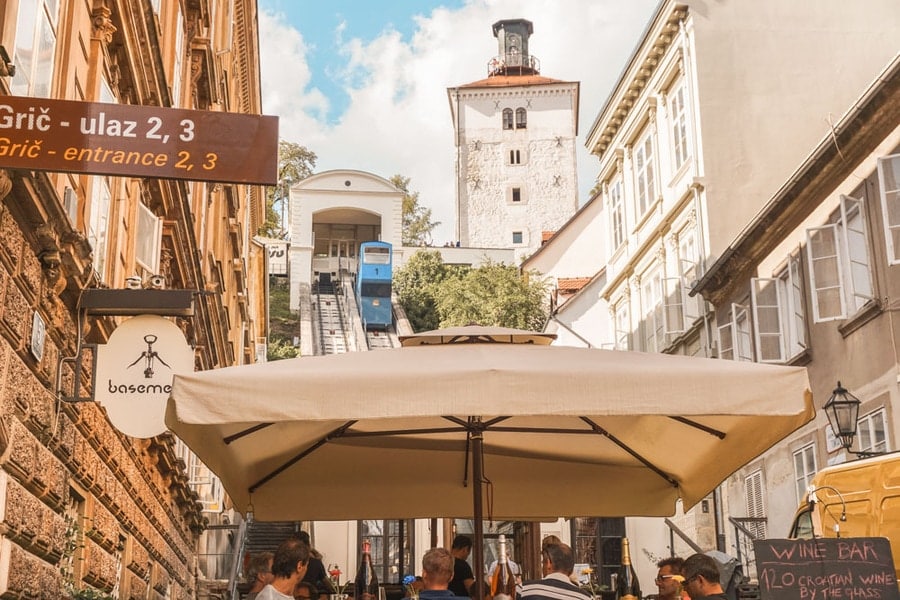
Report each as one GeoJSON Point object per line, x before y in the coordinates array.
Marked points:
{"type": "Point", "coordinates": [770, 75]}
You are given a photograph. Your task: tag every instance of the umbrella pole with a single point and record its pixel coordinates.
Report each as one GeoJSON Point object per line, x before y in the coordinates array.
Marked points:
{"type": "Point", "coordinates": [478, 560]}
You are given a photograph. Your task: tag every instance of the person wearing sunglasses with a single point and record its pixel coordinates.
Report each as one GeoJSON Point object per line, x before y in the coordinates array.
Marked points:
{"type": "Point", "coordinates": [669, 577]}
{"type": "Point", "coordinates": [702, 578]}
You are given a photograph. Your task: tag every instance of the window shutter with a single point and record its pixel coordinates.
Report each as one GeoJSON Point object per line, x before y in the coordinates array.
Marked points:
{"type": "Point", "coordinates": [767, 310]}
{"type": "Point", "coordinates": [796, 308]}
{"type": "Point", "coordinates": [692, 310]}
{"type": "Point", "coordinates": [622, 326]}
{"type": "Point", "coordinates": [856, 249]}
{"type": "Point", "coordinates": [743, 346]}
{"type": "Point", "coordinates": [889, 188]}
{"type": "Point", "coordinates": [756, 503]}
{"type": "Point", "coordinates": [147, 239]}
{"type": "Point", "coordinates": [673, 305]}
{"type": "Point", "coordinates": [726, 341]}
{"type": "Point", "coordinates": [825, 273]}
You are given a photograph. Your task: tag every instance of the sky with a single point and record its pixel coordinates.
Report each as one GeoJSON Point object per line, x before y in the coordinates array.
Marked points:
{"type": "Point", "coordinates": [363, 83]}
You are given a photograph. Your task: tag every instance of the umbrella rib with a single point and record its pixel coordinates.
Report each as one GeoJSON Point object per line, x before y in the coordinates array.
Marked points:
{"type": "Point", "coordinates": [700, 426]}
{"type": "Point", "coordinates": [543, 430]}
{"type": "Point", "coordinates": [236, 436]}
{"type": "Point", "coordinates": [358, 434]}
{"type": "Point", "coordinates": [620, 444]}
{"type": "Point", "coordinates": [336, 433]}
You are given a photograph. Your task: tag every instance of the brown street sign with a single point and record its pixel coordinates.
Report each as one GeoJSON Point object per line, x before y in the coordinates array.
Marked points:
{"type": "Point", "coordinates": [143, 141]}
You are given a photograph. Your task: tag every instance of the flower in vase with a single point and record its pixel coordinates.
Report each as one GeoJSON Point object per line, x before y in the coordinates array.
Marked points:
{"type": "Point", "coordinates": [409, 584]}
{"type": "Point", "coordinates": [334, 574]}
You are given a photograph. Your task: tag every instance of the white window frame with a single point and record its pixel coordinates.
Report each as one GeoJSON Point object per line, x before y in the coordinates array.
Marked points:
{"type": "Point", "coordinates": [616, 204]}
{"type": "Point", "coordinates": [768, 329]}
{"type": "Point", "coordinates": [871, 437]}
{"type": "Point", "coordinates": [783, 296]}
{"type": "Point", "coordinates": [70, 205]}
{"type": "Point", "coordinates": [653, 325]}
{"type": "Point", "coordinates": [805, 467]}
{"type": "Point", "coordinates": [644, 173]}
{"type": "Point", "coordinates": [889, 190]}
{"type": "Point", "coordinates": [689, 269]}
{"type": "Point", "coordinates": [735, 336]}
{"type": "Point", "coordinates": [178, 67]}
{"type": "Point", "coordinates": [34, 53]}
{"type": "Point", "coordinates": [842, 249]}
{"type": "Point", "coordinates": [674, 304]}
{"type": "Point", "coordinates": [147, 239]}
{"type": "Point", "coordinates": [795, 329]}
{"type": "Point", "coordinates": [622, 326]}
{"type": "Point", "coordinates": [681, 148]}
{"type": "Point", "coordinates": [98, 226]}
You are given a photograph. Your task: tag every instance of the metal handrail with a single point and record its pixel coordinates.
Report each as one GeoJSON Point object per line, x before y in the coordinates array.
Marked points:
{"type": "Point", "coordinates": [673, 528]}
{"type": "Point", "coordinates": [743, 537]}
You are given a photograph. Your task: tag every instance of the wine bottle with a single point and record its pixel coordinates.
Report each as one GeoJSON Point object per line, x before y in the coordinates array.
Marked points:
{"type": "Point", "coordinates": [627, 586]}
{"type": "Point", "coordinates": [366, 585]}
{"type": "Point", "coordinates": [503, 581]}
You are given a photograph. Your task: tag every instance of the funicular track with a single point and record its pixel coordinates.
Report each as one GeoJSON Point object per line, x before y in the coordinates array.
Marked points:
{"type": "Point", "coordinates": [380, 340]}
{"type": "Point", "coordinates": [337, 323]}
{"type": "Point", "coordinates": [332, 325]}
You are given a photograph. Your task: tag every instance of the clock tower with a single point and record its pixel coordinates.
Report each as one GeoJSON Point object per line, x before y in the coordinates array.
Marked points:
{"type": "Point", "coordinates": [515, 148]}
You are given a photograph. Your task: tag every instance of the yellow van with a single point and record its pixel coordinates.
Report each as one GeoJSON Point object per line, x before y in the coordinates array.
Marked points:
{"type": "Point", "coordinates": [860, 498]}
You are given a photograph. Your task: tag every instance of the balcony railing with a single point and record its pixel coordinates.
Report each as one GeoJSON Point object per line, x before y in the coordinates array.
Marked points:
{"type": "Point", "coordinates": [513, 63]}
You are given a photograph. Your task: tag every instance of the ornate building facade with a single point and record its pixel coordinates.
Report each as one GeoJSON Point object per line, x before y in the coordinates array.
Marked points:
{"type": "Point", "coordinates": [81, 504]}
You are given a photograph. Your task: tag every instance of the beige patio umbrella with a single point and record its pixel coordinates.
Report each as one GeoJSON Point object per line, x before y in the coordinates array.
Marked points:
{"type": "Point", "coordinates": [544, 430]}
{"type": "Point", "coordinates": [627, 433]}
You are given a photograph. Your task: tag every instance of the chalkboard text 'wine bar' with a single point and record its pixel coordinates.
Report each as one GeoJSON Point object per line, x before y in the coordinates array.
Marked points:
{"type": "Point", "coordinates": [826, 569]}
{"type": "Point", "coordinates": [144, 141]}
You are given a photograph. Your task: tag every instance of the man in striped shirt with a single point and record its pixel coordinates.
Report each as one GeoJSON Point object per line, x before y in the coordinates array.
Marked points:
{"type": "Point", "coordinates": [557, 564]}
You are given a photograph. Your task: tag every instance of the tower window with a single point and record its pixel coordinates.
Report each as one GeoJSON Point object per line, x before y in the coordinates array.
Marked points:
{"type": "Point", "coordinates": [521, 118]}
{"type": "Point", "coordinates": [515, 157]}
{"type": "Point", "coordinates": [507, 118]}
{"type": "Point", "coordinates": [517, 194]}
{"type": "Point", "coordinates": [517, 237]}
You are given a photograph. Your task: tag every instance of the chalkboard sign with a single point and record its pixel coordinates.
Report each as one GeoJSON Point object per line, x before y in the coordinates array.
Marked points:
{"type": "Point", "coordinates": [826, 569]}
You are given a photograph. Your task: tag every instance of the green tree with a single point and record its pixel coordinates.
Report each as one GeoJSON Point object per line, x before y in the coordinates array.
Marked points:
{"type": "Point", "coordinates": [295, 163]}
{"type": "Point", "coordinates": [494, 294]}
{"type": "Point", "coordinates": [417, 223]}
{"type": "Point", "coordinates": [435, 295]}
{"type": "Point", "coordinates": [418, 282]}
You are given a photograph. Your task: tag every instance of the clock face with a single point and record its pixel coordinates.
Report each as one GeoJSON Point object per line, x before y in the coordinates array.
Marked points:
{"type": "Point", "coordinates": [513, 43]}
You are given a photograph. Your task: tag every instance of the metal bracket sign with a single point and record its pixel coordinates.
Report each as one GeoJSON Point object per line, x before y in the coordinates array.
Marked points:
{"type": "Point", "coordinates": [42, 134]}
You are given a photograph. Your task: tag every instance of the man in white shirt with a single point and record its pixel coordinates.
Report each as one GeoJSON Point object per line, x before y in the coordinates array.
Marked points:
{"type": "Point", "coordinates": [288, 567]}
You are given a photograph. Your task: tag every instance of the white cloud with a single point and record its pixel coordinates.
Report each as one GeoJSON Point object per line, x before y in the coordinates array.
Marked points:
{"type": "Point", "coordinates": [398, 120]}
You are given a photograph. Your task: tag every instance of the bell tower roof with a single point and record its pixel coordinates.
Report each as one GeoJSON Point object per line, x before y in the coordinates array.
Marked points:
{"type": "Point", "coordinates": [513, 57]}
